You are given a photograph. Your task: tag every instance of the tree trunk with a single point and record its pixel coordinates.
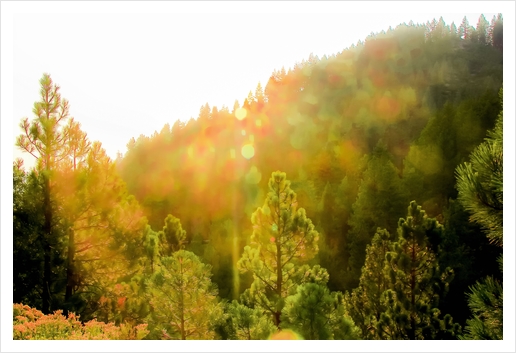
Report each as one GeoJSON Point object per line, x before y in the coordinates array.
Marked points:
{"type": "Point", "coordinates": [182, 305]}
{"type": "Point", "coordinates": [47, 230]}
{"type": "Point", "coordinates": [277, 320]}
{"type": "Point", "coordinates": [279, 280]}
{"type": "Point", "coordinates": [412, 332]}
{"type": "Point", "coordinates": [279, 274]}
{"type": "Point", "coordinates": [69, 270]}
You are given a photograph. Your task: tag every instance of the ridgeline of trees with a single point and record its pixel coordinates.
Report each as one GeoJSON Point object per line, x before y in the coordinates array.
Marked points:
{"type": "Point", "coordinates": [389, 226]}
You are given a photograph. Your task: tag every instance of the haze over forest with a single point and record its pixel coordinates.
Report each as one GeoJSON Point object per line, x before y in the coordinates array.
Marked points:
{"type": "Point", "coordinates": [357, 195]}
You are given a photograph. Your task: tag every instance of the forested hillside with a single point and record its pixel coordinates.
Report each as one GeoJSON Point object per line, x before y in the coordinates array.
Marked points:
{"type": "Point", "coordinates": [355, 196]}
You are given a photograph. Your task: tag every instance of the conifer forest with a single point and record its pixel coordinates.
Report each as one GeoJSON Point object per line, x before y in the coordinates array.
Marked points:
{"type": "Point", "coordinates": [354, 196]}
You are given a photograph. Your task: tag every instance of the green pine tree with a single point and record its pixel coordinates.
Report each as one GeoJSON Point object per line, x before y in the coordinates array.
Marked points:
{"type": "Point", "coordinates": [182, 297]}
{"type": "Point", "coordinates": [249, 323]}
{"type": "Point", "coordinates": [172, 237]}
{"type": "Point", "coordinates": [412, 297]}
{"type": "Point", "coordinates": [364, 303]}
{"type": "Point", "coordinates": [317, 314]}
{"type": "Point", "coordinates": [43, 138]}
{"type": "Point", "coordinates": [379, 203]}
{"type": "Point", "coordinates": [480, 183]}
{"type": "Point", "coordinates": [283, 237]}
{"type": "Point", "coordinates": [480, 186]}
{"type": "Point", "coordinates": [485, 301]}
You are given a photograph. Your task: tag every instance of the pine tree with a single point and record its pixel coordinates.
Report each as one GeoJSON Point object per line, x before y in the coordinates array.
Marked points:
{"type": "Point", "coordinates": [72, 173]}
{"type": "Point", "coordinates": [236, 105]}
{"type": "Point", "coordinates": [364, 304]}
{"type": "Point", "coordinates": [379, 203]}
{"type": "Point", "coordinates": [182, 297]}
{"type": "Point", "coordinates": [204, 114]}
{"type": "Point", "coordinates": [480, 186]}
{"type": "Point", "coordinates": [497, 32]}
{"type": "Point", "coordinates": [249, 101]}
{"type": "Point", "coordinates": [248, 323]}
{"type": "Point", "coordinates": [317, 314]}
{"type": "Point", "coordinates": [151, 246]}
{"type": "Point", "coordinates": [104, 226]}
{"type": "Point", "coordinates": [453, 30]}
{"type": "Point", "coordinates": [464, 29]}
{"type": "Point", "coordinates": [258, 94]}
{"type": "Point", "coordinates": [480, 183]}
{"type": "Point", "coordinates": [44, 139]}
{"type": "Point", "coordinates": [486, 303]}
{"type": "Point", "coordinates": [172, 237]}
{"type": "Point", "coordinates": [482, 30]}
{"type": "Point", "coordinates": [415, 277]}
{"type": "Point", "coordinates": [283, 237]}
{"type": "Point", "coordinates": [28, 222]}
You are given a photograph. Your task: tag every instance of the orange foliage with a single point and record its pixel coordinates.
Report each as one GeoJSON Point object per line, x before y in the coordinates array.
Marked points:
{"type": "Point", "coordinates": [31, 324]}
{"type": "Point", "coordinates": [388, 108]}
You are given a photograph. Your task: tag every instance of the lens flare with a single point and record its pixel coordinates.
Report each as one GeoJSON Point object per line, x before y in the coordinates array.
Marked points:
{"type": "Point", "coordinates": [240, 113]}
{"type": "Point", "coordinates": [285, 335]}
{"type": "Point", "coordinates": [253, 176]}
{"type": "Point", "coordinates": [248, 151]}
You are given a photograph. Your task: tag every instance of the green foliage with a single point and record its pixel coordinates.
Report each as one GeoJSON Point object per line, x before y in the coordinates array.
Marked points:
{"type": "Point", "coordinates": [247, 323]}
{"type": "Point", "coordinates": [283, 236]}
{"type": "Point", "coordinates": [43, 138]}
{"type": "Point", "coordinates": [379, 203]}
{"type": "Point", "coordinates": [465, 249]}
{"type": "Point", "coordinates": [486, 303]}
{"type": "Point", "coordinates": [364, 303]}
{"type": "Point", "coordinates": [27, 226]}
{"type": "Point", "coordinates": [444, 143]}
{"type": "Point", "coordinates": [317, 314]}
{"type": "Point", "coordinates": [172, 237]}
{"type": "Point", "coordinates": [151, 246]}
{"type": "Point", "coordinates": [182, 298]}
{"type": "Point", "coordinates": [412, 297]}
{"type": "Point", "coordinates": [480, 183]}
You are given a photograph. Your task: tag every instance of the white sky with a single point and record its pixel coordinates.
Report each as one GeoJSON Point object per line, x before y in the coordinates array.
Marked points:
{"type": "Point", "coordinates": [128, 68]}
{"type": "Point", "coordinates": [130, 74]}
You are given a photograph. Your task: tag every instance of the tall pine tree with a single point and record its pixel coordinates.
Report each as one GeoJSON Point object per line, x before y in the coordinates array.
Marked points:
{"type": "Point", "coordinates": [283, 237]}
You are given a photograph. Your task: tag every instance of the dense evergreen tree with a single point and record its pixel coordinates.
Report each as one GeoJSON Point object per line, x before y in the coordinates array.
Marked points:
{"type": "Point", "coordinates": [379, 202]}
{"type": "Point", "coordinates": [44, 139]}
{"type": "Point", "coordinates": [465, 249]}
{"type": "Point", "coordinates": [182, 297]}
{"type": "Point", "coordinates": [415, 277]}
{"type": "Point", "coordinates": [480, 185]}
{"type": "Point", "coordinates": [485, 300]}
{"type": "Point", "coordinates": [482, 30]}
{"type": "Point", "coordinates": [283, 237]}
{"type": "Point", "coordinates": [317, 314]}
{"type": "Point", "coordinates": [28, 223]}
{"type": "Point", "coordinates": [172, 237]}
{"type": "Point", "coordinates": [497, 32]}
{"type": "Point", "coordinates": [364, 303]}
{"type": "Point", "coordinates": [248, 323]}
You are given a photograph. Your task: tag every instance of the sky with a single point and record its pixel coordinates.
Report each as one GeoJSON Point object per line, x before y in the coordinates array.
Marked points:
{"type": "Point", "coordinates": [126, 74]}
{"type": "Point", "coordinates": [129, 68]}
